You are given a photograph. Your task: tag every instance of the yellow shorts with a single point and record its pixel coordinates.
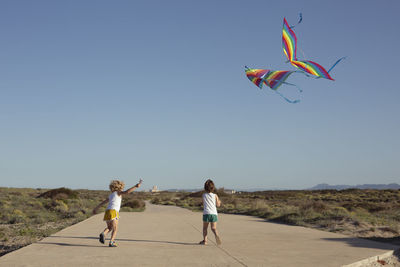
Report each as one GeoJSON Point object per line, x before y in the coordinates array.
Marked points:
{"type": "Point", "coordinates": [110, 215]}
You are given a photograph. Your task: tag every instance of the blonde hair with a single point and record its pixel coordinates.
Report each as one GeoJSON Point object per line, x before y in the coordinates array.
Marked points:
{"type": "Point", "coordinates": [117, 185]}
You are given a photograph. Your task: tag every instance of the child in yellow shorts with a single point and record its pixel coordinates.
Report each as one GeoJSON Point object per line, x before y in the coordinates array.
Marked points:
{"type": "Point", "coordinates": [111, 214]}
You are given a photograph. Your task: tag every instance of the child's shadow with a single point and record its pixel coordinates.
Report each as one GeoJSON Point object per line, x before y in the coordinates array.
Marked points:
{"type": "Point", "coordinates": [157, 241]}
{"type": "Point", "coordinates": [69, 244]}
{"type": "Point", "coordinates": [117, 239]}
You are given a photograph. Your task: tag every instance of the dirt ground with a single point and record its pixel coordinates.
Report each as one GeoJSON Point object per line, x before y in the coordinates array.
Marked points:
{"type": "Point", "coordinates": [393, 261]}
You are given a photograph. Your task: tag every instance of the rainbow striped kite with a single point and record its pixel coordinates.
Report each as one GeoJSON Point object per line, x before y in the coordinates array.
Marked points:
{"type": "Point", "coordinates": [273, 79]}
{"type": "Point", "coordinates": [289, 44]}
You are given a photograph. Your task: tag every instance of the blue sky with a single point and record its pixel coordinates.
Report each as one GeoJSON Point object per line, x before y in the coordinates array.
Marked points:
{"type": "Point", "coordinates": [94, 90]}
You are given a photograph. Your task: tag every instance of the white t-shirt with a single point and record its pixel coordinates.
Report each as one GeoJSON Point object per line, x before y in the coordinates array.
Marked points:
{"type": "Point", "coordinates": [209, 200]}
{"type": "Point", "coordinates": [114, 201]}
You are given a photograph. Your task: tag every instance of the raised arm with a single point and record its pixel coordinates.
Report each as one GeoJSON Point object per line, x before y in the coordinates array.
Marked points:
{"type": "Point", "coordinates": [130, 190]}
{"type": "Point", "coordinates": [217, 201]}
{"type": "Point", "coordinates": [98, 206]}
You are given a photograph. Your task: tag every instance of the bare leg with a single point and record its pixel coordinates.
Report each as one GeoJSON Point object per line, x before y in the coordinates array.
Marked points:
{"type": "Point", "coordinates": [103, 234]}
{"type": "Point", "coordinates": [214, 229]}
{"type": "Point", "coordinates": [205, 226]}
{"type": "Point", "coordinates": [108, 229]}
{"type": "Point", "coordinates": [114, 224]}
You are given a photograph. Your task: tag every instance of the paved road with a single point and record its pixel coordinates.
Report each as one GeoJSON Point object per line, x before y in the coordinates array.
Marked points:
{"type": "Point", "coordinates": [168, 236]}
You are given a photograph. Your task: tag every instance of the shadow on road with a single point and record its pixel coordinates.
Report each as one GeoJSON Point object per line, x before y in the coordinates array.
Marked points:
{"type": "Point", "coordinates": [117, 239]}
{"type": "Point", "coordinates": [70, 245]}
{"type": "Point", "coordinates": [397, 254]}
{"type": "Point", "coordinates": [389, 240]}
{"type": "Point", "coordinates": [363, 243]}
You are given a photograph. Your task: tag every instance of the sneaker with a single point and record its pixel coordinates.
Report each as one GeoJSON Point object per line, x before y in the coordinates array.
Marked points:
{"type": "Point", "coordinates": [112, 244]}
{"type": "Point", "coordinates": [101, 238]}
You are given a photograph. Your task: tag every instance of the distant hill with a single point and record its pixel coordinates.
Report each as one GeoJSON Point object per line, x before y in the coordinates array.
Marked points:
{"type": "Point", "coordinates": [317, 187]}
{"type": "Point", "coordinates": [183, 190]}
{"type": "Point", "coordinates": [359, 186]}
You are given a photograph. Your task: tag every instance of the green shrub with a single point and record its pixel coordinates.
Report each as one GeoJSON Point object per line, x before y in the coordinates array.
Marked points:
{"type": "Point", "coordinates": [59, 193]}
{"type": "Point", "coordinates": [134, 204]}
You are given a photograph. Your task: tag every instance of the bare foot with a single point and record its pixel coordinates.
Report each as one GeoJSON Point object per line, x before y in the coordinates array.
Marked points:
{"type": "Point", "coordinates": [219, 242]}
{"type": "Point", "coordinates": [202, 242]}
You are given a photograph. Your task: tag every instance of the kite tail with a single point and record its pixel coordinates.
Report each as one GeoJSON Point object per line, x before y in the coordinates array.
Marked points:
{"type": "Point", "coordinates": [340, 59]}
{"type": "Point", "coordinates": [287, 99]}
{"type": "Point", "coordinates": [298, 88]}
{"type": "Point", "coordinates": [300, 20]}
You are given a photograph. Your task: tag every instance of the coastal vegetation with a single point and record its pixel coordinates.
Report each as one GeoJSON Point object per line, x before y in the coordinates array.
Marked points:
{"type": "Point", "coordinates": [28, 215]}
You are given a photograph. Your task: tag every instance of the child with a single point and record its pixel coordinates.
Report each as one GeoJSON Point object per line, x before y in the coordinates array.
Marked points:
{"type": "Point", "coordinates": [210, 214]}
{"type": "Point", "coordinates": [111, 214]}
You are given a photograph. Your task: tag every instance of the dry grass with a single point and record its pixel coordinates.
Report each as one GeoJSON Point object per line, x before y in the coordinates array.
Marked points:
{"type": "Point", "coordinates": [28, 215]}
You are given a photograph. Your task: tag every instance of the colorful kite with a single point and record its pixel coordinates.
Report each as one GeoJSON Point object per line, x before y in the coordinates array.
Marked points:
{"type": "Point", "coordinates": [273, 79]}
{"type": "Point", "coordinates": [289, 43]}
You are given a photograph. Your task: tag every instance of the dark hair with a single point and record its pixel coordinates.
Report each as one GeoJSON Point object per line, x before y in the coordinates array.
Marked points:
{"type": "Point", "coordinates": [209, 186]}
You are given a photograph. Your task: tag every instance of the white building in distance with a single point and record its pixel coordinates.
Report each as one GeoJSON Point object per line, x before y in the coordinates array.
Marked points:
{"type": "Point", "coordinates": [154, 189]}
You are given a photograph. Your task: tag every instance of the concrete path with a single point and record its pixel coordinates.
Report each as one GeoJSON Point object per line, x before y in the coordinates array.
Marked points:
{"type": "Point", "coordinates": [168, 236]}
